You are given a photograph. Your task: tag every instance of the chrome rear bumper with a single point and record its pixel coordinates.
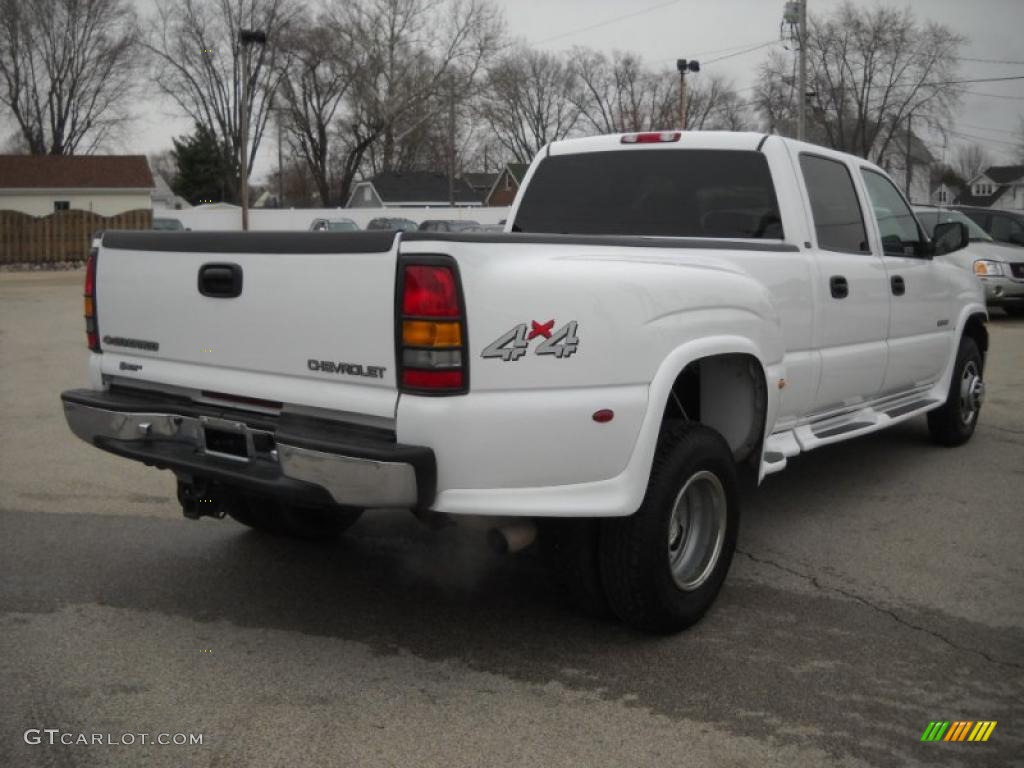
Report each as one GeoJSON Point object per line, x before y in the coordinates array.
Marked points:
{"type": "Point", "coordinates": [308, 459]}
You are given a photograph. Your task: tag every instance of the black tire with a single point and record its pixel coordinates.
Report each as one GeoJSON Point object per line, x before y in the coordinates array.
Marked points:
{"type": "Point", "coordinates": [569, 548]}
{"type": "Point", "coordinates": [954, 423]}
{"type": "Point", "coordinates": [636, 558]}
{"type": "Point", "coordinates": [279, 519]}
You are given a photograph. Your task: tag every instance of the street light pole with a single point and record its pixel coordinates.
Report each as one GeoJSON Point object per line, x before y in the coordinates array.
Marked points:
{"type": "Point", "coordinates": [684, 66]}
{"type": "Point", "coordinates": [246, 37]}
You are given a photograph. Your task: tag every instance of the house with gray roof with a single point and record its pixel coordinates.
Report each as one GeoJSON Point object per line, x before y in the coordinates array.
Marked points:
{"type": "Point", "coordinates": [998, 186]}
{"type": "Point", "coordinates": [416, 189]}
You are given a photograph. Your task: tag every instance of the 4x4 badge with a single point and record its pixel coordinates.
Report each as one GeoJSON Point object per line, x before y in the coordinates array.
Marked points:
{"type": "Point", "coordinates": [514, 344]}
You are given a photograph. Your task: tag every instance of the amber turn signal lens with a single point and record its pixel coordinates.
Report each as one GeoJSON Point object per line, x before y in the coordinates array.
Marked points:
{"type": "Point", "coordinates": [424, 333]}
{"type": "Point", "coordinates": [89, 309]}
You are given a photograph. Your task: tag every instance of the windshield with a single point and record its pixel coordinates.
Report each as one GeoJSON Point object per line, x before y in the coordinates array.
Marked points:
{"type": "Point", "coordinates": [671, 193]}
{"type": "Point", "coordinates": [342, 226]}
{"type": "Point", "coordinates": [930, 219]}
{"type": "Point", "coordinates": [167, 225]}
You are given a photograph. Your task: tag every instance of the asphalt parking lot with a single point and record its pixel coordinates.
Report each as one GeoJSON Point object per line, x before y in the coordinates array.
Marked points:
{"type": "Point", "coordinates": [878, 587]}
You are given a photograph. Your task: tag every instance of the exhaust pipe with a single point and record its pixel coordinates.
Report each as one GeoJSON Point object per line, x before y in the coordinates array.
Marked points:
{"type": "Point", "coordinates": [512, 537]}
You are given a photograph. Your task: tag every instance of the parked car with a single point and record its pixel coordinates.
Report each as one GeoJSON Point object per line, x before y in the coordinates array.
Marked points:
{"type": "Point", "coordinates": [394, 224]}
{"type": "Point", "coordinates": [168, 224]}
{"type": "Point", "coordinates": [1003, 226]}
{"type": "Point", "coordinates": [999, 266]}
{"type": "Point", "coordinates": [333, 225]}
{"type": "Point", "coordinates": [486, 228]}
{"type": "Point", "coordinates": [675, 311]}
{"type": "Point", "coordinates": [447, 225]}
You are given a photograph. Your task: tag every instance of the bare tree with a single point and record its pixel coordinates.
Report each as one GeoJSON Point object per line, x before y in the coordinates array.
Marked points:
{"type": "Point", "coordinates": [420, 56]}
{"type": "Point", "coordinates": [712, 104]}
{"type": "Point", "coordinates": [970, 159]}
{"type": "Point", "coordinates": [872, 71]}
{"type": "Point", "coordinates": [620, 94]}
{"type": "Point", "coordinates": [529, 101]}
{"type": "Point", "coordinates": [199, 64]}
{"type": "Point", "coordinates": [67, 70]}
{"type": "Point", "coordinates": [317, 74]}
{"type": "Point", "coordinates": [775, 93]}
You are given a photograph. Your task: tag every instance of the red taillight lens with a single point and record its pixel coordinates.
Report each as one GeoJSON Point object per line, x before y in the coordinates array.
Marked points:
{"type": "Point", "coordinates": [92, 329]}
{"type": "Point", "coordinates": [661, 137]}
{"type": "Point", "coordinates": [417, 379]}
{"type": "Point", "coordinates": [429, 291]}
{"type": "Point", "coordinates": [431, 329]}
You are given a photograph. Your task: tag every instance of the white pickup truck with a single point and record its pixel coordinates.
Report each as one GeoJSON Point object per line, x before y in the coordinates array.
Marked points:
{"type": "Point", "coordinates": [666, 312]}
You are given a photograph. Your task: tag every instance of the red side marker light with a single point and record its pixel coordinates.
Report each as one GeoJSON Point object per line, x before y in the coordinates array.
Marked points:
{"type": "Point", "coordinates": [603, 416]}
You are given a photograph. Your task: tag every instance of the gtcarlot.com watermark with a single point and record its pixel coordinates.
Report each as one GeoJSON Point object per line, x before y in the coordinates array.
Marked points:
{"type": "Point", "coordinates": [55, 736]}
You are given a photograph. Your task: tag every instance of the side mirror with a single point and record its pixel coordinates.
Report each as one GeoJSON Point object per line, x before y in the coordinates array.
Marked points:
{"type": "Point", "coordinates": [949, 236]}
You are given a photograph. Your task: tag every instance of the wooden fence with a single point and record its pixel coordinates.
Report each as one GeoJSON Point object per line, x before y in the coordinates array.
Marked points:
{"type": "Point", "coordinates": [61, 236]}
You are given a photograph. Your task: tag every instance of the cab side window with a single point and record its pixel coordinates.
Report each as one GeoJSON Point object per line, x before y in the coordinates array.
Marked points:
{"type": "Point", "coordinates": [896, 223]}
{"type": "Point", "coordinates": [1007, 230]}
{"type": "Point", "coordinates": [838, 221]}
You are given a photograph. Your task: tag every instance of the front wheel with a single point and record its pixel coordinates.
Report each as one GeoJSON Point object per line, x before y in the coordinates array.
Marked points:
{"type": "Point", "coordinates": [663, 566]}
{"type": "Point", "coordinates": [954, 423]}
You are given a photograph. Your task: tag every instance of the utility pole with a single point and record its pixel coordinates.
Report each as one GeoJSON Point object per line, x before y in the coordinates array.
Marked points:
{"type": "Point", "coordinates": [684, 66]}
{"type": "Point", "coordinates": [908, 160]}
{"type": "Point", "coordinates": [794, 31]}
{"type": "Point", "coordinates": [280, 160]}
{"type": "Point", "coordinates": [801, 121]}
{"type": "Point", "coordinates": [246, 37]}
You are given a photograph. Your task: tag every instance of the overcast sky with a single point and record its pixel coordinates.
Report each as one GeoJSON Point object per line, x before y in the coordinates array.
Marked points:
{"type": "Point", "coordinates": [701, 29]}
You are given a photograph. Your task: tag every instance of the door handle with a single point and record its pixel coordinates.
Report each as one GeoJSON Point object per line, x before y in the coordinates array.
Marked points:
{"type": "Point", "coordinates": [220, 281]}
{"type": "Point", "coordinates": [839, 287]}
{"type": "Point", "coordinates": [898, 286]}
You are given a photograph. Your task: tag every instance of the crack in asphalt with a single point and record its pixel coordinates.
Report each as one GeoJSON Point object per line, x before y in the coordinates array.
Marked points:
{"type": "Point", "coordinates": [813, 580]}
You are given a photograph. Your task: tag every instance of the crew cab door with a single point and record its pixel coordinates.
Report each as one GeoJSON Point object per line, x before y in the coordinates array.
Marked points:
{"type": "Point", "coordinates": [852, 289]}
{"type": "Point", "coordinates": [919, 321]}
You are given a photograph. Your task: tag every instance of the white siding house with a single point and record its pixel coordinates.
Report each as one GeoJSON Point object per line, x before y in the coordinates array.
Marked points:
{"type": "Point", "coordinates": [107, 185]}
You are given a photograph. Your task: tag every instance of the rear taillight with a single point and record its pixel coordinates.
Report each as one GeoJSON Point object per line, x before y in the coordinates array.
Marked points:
{"type": "Point", "coordinates": [431, 328]}
{"type": "Point", "coordinates": [92, 328]}
{"type": "Point", "coordinates": [659, 137]}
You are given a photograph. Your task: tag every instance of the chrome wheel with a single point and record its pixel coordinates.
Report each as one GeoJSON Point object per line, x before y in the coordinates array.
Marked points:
{"type": "Point", "coordinates": [972, 393]}
{"type": "Point", "coordinates": [696, 530]}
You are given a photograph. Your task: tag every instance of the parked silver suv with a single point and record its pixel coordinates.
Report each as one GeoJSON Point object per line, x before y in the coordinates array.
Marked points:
{"type": "Point", "coordinates": [1000, 267]}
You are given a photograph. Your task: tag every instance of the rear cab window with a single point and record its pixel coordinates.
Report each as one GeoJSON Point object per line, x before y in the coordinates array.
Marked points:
{"type": "Point", "coordinates": [669, 193]}
{"type": "Point", "coordinates": [838, 221]}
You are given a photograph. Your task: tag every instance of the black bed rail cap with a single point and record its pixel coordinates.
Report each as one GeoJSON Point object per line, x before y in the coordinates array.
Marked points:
{"type": "Point", "coordinates": [376, 241]}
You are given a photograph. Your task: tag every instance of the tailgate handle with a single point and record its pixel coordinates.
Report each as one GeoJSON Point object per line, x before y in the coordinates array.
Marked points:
{"type": "Point", "coordinates": [220, 281]}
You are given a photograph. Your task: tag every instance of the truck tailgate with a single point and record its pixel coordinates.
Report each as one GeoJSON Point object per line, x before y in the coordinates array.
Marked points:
{"type": "Point", "coordinates": [312, 324]}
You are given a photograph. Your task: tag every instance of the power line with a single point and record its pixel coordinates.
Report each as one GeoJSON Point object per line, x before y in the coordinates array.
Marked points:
{"type": "Point", "coordinates": [986, 128]}
{"type": "Point", "coordinates": [994, 95]}
{"type": "Point", "coordinates": [609, 21]}
{"type": "Point", "coordinates": [951, 82]}
{"type": "Point", "coordinates": [741, 53]}
{"type": "Point", "coordinates": [988, 61]}
{"type": "Point", "coordinates": [987, 139]}
{"type": "Point", "coordinates": [735, 48]}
